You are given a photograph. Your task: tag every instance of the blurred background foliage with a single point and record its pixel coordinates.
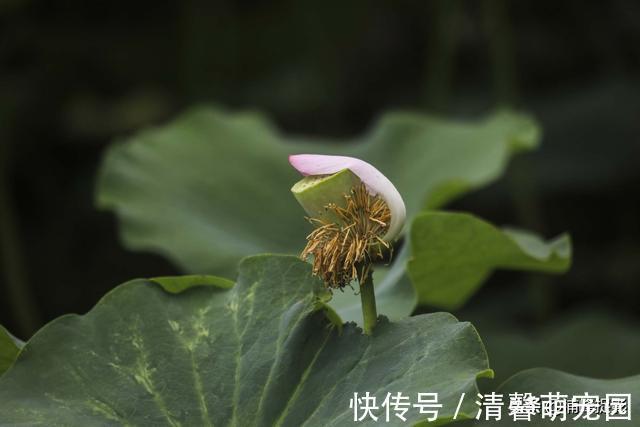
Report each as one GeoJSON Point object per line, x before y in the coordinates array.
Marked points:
{"type": "Point", "coordinates": [75, 75]}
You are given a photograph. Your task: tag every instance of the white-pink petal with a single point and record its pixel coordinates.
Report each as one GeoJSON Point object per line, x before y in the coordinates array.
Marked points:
{"type": "Point", "coordinates": [373, 179]}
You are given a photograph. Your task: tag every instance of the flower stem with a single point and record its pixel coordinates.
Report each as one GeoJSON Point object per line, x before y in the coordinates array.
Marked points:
{"type": "Point", "coordinates": [368, 299]}
{"type": "Point", "coordinates": [12, 260]}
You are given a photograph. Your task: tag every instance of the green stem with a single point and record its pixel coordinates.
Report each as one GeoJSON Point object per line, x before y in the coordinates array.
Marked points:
{"type": "Point", "coordinates": [499, 28]}
{"type": "Point", "coordinates": [368, 299]}
{"type": "Point", "coordinates": [12, 261]}
{"type": "Point", "coordinates": [443, 42]}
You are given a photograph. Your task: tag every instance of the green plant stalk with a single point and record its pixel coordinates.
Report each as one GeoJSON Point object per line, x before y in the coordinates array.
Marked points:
{"type": "Point", "coordinates": [443, 43]}
{"type": "Point", "coordinates": [12, 261]}
{"type": "Point", "coordinates": [368, 299]}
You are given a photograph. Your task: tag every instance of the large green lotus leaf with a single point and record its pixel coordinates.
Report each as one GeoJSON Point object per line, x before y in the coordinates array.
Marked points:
{"type": "Point", "coordinates": [541, 381]}
{"type": "Point", "coordinates": [212, 187]}
{"type": "Point", "coordinates": [261, 353]}
{"type": "Point", "coordinates": [450, 265]}
{"type": "Point", "coordinates": [453, 253]}
{"type": "Point", "coordinates": [9, 348]}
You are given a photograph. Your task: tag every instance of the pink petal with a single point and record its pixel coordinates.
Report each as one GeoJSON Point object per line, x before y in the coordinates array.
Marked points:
{"type": "Point", "coordinates": [373, 179]}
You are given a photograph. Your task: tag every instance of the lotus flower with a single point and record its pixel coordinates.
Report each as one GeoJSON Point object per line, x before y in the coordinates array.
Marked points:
{"type": "Point", "coordinates": [376, 183]}
{"type": "Point", "coordinates": [355, 209]}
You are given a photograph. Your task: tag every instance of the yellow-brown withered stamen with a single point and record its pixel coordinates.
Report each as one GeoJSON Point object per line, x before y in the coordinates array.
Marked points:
{"type": "Point", "coordinates": [343, 251]}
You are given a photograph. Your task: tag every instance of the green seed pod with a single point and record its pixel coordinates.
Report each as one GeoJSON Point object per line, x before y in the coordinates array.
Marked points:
{"type": "Point", "coordinates": [315, 193]}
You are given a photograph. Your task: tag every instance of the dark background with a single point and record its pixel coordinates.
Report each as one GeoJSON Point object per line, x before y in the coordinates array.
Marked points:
{"type": "Point", "coordinates": [74, 75]}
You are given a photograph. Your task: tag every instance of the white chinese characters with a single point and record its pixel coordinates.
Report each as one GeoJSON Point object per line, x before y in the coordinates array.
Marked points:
{"type": "Point", "coordinates": [517, 406]}
{"type": "Point", "coordinates": [365, 406]}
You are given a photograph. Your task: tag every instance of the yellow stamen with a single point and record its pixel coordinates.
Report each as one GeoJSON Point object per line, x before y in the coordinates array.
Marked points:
{"type": "Point", "coordinates": [343, 252]}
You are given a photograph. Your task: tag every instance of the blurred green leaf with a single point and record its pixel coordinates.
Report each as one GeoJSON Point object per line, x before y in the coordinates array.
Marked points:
{"type": "Point", "coordinates": [541, 381]}
{"type": "Point", "coordinates": [212, 187]}
{"type": "Point", "coordinates": [10, 346]}
{"type": "Point", "coordinates": [260, 353]}
{"type": "Point", "coordinates": [580, 343]}
{"type": "Point", "coordinates": [453, 253]}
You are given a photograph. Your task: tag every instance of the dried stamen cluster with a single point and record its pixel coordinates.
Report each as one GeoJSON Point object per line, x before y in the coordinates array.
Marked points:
{"type": "Point", "coordinates": [343, 251]}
